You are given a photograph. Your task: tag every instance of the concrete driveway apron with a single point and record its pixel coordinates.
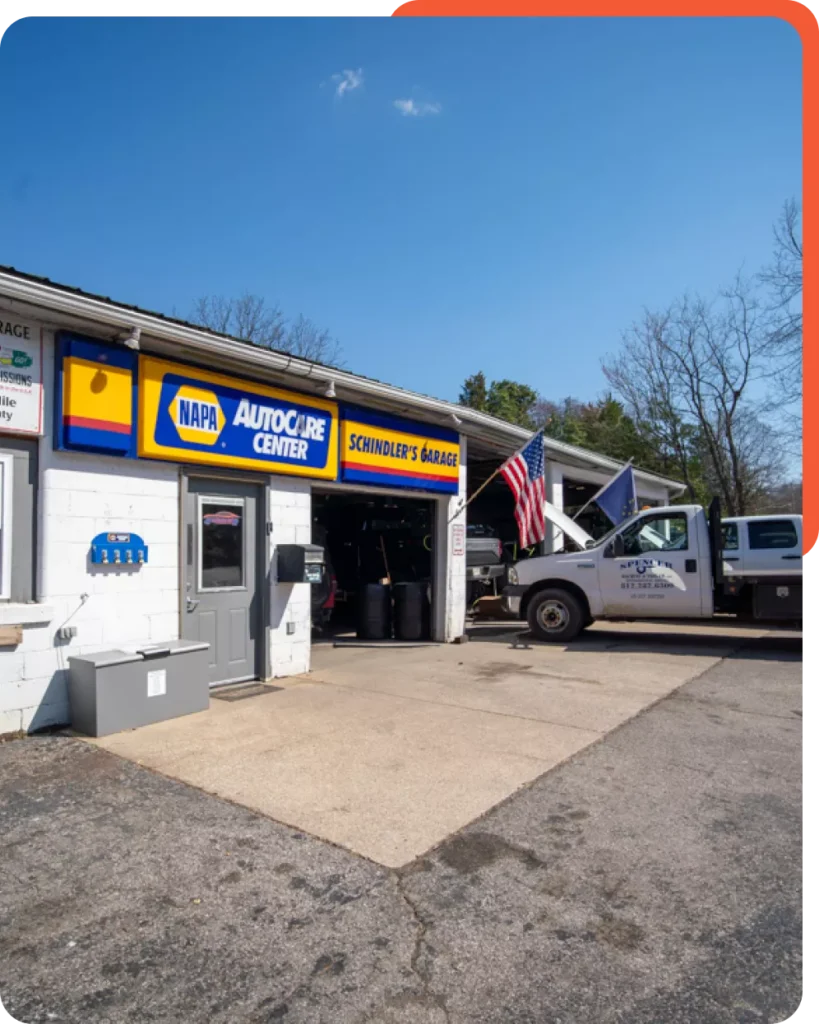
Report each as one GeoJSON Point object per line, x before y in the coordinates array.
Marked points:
{"type": "Point", "coordinates": [388, 751]}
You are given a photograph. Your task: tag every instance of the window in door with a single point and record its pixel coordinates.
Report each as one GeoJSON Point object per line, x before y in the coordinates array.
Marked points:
{"type": "Point", "coordinates": [663, 532]}
{"type": "Point", "coordinates": [730, 537]}
{"type": "Point", "coordinates": [772, 533]}
{"type": "Point", "coordinates": [221, 543]}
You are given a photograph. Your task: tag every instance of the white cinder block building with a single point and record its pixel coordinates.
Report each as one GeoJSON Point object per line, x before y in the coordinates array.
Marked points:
{"type": "Point", "coordinates": [151, 471]}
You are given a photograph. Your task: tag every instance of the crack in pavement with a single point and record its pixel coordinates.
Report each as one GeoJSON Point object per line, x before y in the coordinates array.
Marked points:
{"type": "Point", "coordinates": [420, 941]}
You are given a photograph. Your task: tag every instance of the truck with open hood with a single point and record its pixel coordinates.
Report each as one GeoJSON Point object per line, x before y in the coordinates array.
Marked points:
{"type": "Point", "coordinates": [660, 564]}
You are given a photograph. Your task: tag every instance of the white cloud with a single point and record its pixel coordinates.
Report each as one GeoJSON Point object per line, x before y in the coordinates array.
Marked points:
{"type": "Point", "coordinates": [409, 108]}
{"type": "Point", "coordinates": [348, 80]}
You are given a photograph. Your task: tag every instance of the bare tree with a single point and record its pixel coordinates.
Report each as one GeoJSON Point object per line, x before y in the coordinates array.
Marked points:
{"type": "Point", "coordinates": [783, 278]}
{"type": "Point", "coordinates": [307, 341]}
{"type": "Point", "coordinates": [687, 377]}
{"type": "Point", "coordinates": [783, 499]}
{"type": "Point", "coordinates": [250, 318]}
{"type": "Point", "coordinates": [760, 459]}
{"type": "Point", "coordinates": [644, 377]}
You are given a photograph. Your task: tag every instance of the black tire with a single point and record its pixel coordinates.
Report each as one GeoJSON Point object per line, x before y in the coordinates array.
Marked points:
{"type": "Point", "coordinates": [562, 609]}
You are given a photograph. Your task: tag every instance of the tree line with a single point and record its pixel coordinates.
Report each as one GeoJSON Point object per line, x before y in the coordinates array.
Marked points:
{"type": "Point", "coordinates": [706, 390]}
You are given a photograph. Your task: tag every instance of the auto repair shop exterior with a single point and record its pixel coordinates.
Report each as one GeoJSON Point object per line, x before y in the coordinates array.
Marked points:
{"type": "Point", "coordinates": [126, 436]}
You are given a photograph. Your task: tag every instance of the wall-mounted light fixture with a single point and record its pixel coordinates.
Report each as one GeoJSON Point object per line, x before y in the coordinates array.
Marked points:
{"type": "Point", "coordinates": [131, 339]}
{"type": "Point", "coordinates": [330, 390]}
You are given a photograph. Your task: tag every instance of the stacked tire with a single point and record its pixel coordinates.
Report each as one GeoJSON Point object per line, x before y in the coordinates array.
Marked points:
{"type": "Point", "coordinates": [374, 612]}
{"type": "Point", "coordinates": [402, 611]}
{"type": "Point", "coordinates": [410, 611]}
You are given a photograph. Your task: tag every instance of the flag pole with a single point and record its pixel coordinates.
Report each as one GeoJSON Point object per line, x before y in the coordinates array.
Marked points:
{"type": "Point", "coordinates": [603, 488]}
{"type": "Point", "coordinates": [489, 479]}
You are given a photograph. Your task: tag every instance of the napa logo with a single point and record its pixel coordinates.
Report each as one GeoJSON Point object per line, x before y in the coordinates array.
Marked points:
{"type": "Point", "coordinates": [197, 415]}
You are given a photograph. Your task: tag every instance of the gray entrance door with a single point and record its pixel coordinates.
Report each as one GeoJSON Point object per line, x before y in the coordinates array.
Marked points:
{"type": "Point", "coordinates": [221, 603]}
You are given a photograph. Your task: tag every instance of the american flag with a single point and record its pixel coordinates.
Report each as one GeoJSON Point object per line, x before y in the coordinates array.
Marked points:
{"type": "Point", "coordinates": [524, 473]}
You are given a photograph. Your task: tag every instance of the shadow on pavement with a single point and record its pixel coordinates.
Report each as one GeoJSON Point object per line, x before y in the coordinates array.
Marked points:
{"type": "Point", "coordinates": [773, 646]}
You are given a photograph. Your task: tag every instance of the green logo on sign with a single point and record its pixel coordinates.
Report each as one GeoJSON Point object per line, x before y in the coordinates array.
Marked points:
{"type": "Point", "coordinates": [15, 357]}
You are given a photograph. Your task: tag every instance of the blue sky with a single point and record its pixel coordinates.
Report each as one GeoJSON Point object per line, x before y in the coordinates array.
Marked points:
{"type": "Point", "coordinates": [549, 179]}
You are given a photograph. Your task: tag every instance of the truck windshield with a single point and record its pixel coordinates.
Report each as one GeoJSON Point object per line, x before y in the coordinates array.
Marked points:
{"type": "Point", "coordinates": [610, 533]}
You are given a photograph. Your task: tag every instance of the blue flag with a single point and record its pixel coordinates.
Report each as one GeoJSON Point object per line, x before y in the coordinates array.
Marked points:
{"type": "Point", "coordinates": [619, 498]}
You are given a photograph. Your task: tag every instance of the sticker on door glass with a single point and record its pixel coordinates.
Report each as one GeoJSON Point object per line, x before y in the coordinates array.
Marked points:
{"type": "Point", "coordinates": [157, 682]}
{"type": "Point", "coordinates": [221, 518]}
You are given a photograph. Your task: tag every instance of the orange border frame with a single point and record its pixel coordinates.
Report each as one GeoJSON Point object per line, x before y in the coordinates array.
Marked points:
{"type": "Point", "coordinates": [805, 24]}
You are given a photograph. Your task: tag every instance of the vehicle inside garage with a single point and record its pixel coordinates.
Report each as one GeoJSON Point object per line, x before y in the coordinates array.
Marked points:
{"type": "Point", "coordinates": [368, 539]}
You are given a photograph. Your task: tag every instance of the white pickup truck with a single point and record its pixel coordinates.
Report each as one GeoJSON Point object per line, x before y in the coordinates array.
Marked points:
{"type": "Point", "coordinates": [675, 562]}
{"type": "Point", "coordinates": [762, 542]}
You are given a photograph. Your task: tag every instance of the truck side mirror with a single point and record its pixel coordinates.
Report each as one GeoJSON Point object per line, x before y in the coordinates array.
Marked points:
{"type": "Point", "coordinates": [616, 548]}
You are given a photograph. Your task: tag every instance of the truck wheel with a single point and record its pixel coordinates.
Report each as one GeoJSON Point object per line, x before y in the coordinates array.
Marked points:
{"type": "Point", "coordinates": [555, 616]}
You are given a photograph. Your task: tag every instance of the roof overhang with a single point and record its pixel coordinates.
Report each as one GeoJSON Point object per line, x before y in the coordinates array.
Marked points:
{"type": "Point", "coordinates": [107, 319]}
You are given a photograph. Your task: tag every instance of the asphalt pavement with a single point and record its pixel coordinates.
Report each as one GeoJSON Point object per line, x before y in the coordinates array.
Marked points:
{"type": "Point", "coordinates": [653, 877]}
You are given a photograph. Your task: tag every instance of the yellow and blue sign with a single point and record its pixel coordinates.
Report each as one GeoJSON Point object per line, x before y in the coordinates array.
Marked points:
{"type": "Point", "coordinates": [380, 449]}
{"type": "Point", "coordinates": [95, 396]}
{"type": "Point", "coordinates": [112, 400]}
{"type": "Point", "coordinates": [192, 415]}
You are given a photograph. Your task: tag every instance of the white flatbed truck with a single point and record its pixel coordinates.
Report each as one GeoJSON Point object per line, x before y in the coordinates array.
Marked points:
{"type": "Point", "coordinates": [663, 563]}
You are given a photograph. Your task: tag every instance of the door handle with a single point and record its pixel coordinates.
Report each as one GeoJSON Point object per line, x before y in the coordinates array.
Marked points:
{"type": "Point", "coordinates": [792, 556]}
{"type": "Point", "coordinates": [730, 558]}
{"type": "Point", "coordinates": [190, 604]}
{"type": "Point", "coordinates": [690, 565]}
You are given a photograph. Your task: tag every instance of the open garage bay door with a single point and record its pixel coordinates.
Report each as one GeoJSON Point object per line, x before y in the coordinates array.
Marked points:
{"type": "Point", "coordinates": [367, 538]}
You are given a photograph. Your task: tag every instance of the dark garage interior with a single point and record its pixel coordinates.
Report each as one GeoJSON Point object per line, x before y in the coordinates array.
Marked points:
{"type": "Point", "coordinates": [368, 538]}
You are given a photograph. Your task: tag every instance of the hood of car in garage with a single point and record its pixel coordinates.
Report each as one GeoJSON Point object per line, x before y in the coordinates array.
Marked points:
{"type": "Point", "coordinates": [568, 526]}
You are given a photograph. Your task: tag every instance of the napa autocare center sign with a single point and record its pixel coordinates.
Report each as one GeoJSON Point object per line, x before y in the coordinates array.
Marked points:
{"type": "Point", "coordinates": [21, 375]}
{"type": "Point", "coordinates": [377, 448]}
{"type": "Point", "coordinates": [192, 415]}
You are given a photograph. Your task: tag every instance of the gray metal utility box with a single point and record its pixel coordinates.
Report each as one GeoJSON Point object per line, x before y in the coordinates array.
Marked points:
{"type": "Point", "coordinates": [113, 690]}
{"type": "Point", "coordinates": [299, 563]}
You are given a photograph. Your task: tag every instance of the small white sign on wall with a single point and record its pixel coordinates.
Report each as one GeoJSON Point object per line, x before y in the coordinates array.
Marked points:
{"type": "Point", "coordinates": [21, 375]}
{"type": "Point", "coordinates": [157, 683]}
{"type": "Point", "coordinates": [457, 539]}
